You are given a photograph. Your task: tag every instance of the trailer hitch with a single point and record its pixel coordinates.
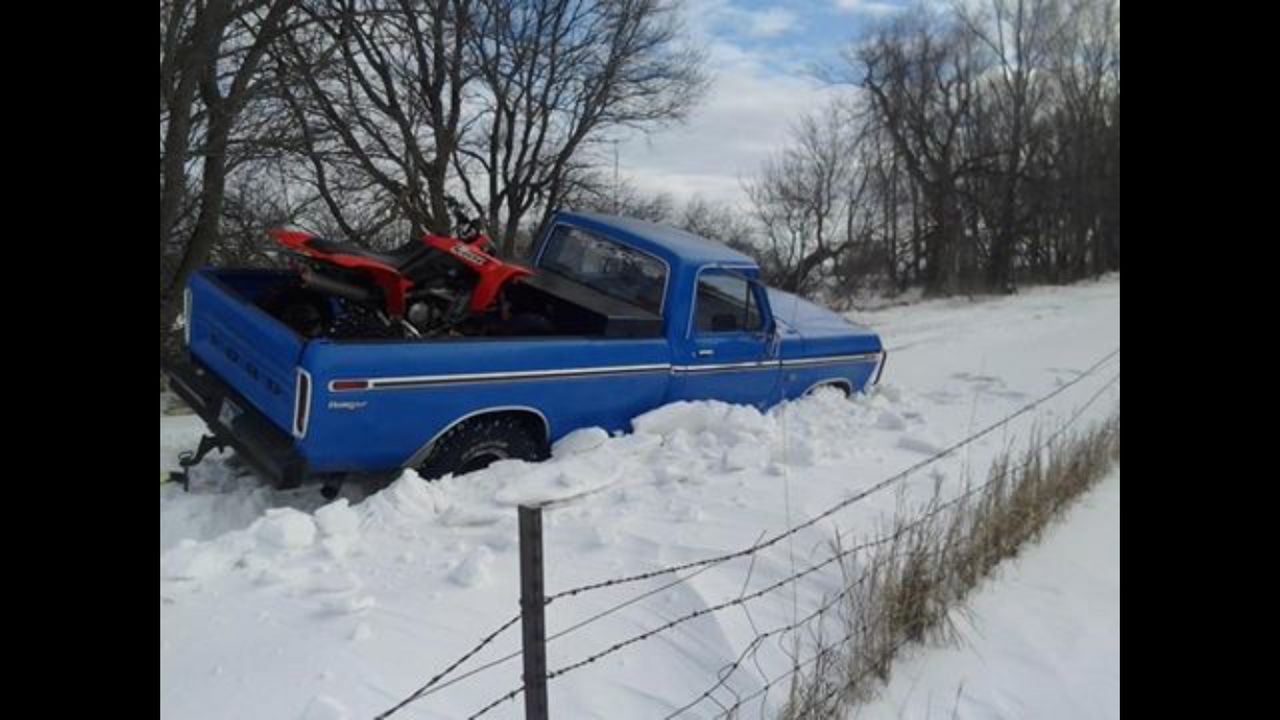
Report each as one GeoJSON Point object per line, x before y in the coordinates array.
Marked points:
{"type": "Point", "coordinates": [188, 459]}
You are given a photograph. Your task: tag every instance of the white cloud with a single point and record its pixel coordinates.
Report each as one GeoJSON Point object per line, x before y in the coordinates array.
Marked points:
{"type": "Point", "coordinates": [746, 116]}
{"type": "Point", "coordinates": [708, 15]}
{"type": "Point", "coordinates": [768, 23]}
{"type": "Point", "coordinates": [867, 7]}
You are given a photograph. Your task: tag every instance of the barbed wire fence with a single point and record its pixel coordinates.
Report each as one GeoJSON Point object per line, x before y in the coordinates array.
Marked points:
{"type": "Point", "coordinates": [683, 573]}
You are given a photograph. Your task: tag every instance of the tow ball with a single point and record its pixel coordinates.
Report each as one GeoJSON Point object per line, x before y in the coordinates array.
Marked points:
{"type": "Point", "coordinates": [187, 459]}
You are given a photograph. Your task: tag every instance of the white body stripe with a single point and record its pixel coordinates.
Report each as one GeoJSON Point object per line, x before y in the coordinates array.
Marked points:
{"type": "Point", "coordinates": [392, 383]}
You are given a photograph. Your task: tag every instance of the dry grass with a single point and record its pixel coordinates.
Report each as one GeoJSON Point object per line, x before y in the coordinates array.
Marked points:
{"type": "Point", "coordinates": [906, 589]}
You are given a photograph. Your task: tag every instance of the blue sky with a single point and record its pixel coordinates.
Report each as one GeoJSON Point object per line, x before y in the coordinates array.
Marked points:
{"type": "Point", "coordinates": [760, 55]}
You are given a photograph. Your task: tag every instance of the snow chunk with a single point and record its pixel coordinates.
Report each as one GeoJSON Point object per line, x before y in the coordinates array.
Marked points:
{"type": "Point", "coordinates": [579, 441]}
{"type": "Point", "coordinates": [683, 415]}
{"type": "Point", "coordinates": [287, 528]}
{"type": "Point", "coordinates": [892, 393]}
{"type": "Point", "coordinates": [890, 420]}
{"type": "Point", "coordinates": [746, 455]}
{"type": "Point", "coordinates": [559, 480]}
{"type": "Point", "coordinates": [337, 519]}
{"type": "Point", "coordinates": [474, 571]}
{"type": "Point", "coordinates": [920, 444]}
{"type": "Point", "coordinates": [600, 537]}
{"type": "Point", "coordinates": [748, 420]}
{"type": "Point", "coordinates": [191, 560]}
{"type": "Point", "coordinates": [406, 502]}
{"type": "Point", "coordinates": [670, 473]}
{"type": "Point", "coordinates": [323, 707]}
{"type": "Point", "coordinates": [349, 604]}
{"type": "Point", "coordinates": [688, 514]}
{"type": "Point", "coordinates": [337, 546]}
{"type": "Point", "coordinates": [362, 632]}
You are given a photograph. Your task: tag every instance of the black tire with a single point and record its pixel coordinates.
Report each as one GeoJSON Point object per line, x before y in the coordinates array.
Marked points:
{"type": "Point", "coordinates": [476, 443]}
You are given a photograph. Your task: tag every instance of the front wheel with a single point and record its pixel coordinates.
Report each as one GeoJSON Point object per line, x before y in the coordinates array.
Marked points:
{"type": "Point", "coordinates": [476, 444]}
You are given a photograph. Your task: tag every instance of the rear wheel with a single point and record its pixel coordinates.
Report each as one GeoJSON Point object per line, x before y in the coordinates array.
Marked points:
{"type": "Point", "coordinates": [477, 443]}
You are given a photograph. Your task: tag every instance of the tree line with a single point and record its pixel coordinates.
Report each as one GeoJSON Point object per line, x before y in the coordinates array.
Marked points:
{"type": "Point", "coordinates": [976, 147]}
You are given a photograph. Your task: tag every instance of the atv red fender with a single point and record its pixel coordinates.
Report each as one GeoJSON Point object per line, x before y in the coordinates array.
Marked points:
{"type": "Point", "coordinates": [393, 284]}
{"type": "Point", "coordinates": [493, 273]}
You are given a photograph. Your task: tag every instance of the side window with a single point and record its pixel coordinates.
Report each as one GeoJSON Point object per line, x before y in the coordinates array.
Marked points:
{"type": "Point", "coordinates": [725, 303]}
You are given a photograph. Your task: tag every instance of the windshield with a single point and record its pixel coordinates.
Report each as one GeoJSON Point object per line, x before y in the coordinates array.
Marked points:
{"type": "Point", "coordinates": [606, 266]}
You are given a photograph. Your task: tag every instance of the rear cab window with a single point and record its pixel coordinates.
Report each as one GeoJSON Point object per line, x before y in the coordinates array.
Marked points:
{"type": "Point", "coordinates": [606, 266]}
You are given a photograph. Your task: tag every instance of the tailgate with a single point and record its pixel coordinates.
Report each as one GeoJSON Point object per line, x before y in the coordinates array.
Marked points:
{"type": "Point", "coordinates": [248, 349]}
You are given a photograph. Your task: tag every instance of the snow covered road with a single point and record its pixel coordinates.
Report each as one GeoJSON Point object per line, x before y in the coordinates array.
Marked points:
{"type": "Point", "coordinates": [273, 606]}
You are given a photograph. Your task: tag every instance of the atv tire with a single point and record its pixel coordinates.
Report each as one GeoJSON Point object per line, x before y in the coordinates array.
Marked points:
{"type": "Point", "coordinates": [475, 444]}
{"type": "Point", "coordinates": [306, 312]}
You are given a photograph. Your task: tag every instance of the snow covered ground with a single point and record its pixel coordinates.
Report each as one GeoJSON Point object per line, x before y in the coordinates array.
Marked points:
{"type": "Point", "coordinates": [274, 605]}
{"type": "Point", "coordinates": [1040, 640]}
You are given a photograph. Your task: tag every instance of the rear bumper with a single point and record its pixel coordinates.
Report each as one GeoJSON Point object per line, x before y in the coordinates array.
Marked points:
{"type": "Point", "coordinates": [267, 448]}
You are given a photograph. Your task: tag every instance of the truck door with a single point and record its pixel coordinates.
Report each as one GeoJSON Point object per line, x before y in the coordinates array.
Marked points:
{"type": "Point", "coordinates": [728, 352]}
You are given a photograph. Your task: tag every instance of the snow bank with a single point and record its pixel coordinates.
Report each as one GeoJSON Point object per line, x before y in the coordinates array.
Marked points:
{"type": "Point", "coordinates": [474, 571]}
{"type": "Point", "coordinates": [286, 528]}
{"type": "Point", "coordinates": [338, 519]}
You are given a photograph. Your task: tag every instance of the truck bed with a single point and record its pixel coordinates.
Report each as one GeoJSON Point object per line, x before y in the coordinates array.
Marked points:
{"type": "Point", "coordinates": [350, 405]}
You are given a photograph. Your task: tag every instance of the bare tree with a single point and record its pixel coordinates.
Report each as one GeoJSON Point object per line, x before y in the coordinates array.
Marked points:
{"type": "Point", "coordinates": [496, 100]}
{"type": "Point", "coordinates": [556, 75]}
{"type": "Point", "coordinates": [379, 88]}
{"type": "Point", "coordinates": [810, 201]}
{"type": "Point", "coordinates": [918, 73]}
{"type": "Point", "coordinates": [210, 54]}
{"type": "Point", "coordinates": [1086, 68]}
{"type": "Point", "coordinates": [1017, 35]}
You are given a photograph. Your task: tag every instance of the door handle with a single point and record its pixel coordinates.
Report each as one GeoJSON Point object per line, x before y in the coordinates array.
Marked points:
{"type": "Point", "coordinates": [706, 353]}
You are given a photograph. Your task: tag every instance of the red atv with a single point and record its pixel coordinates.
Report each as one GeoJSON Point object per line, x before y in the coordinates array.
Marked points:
{"type": "Point", "coordinates": [427, 287]}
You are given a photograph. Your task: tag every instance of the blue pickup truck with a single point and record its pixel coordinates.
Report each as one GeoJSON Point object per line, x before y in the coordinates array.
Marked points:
{"type": "Point", "coordinates": [634, 315]}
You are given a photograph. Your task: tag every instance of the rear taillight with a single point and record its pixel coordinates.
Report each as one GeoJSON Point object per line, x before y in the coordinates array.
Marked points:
{"type": "Point", "coordinates": [349, 385]}
{"type": "Point", "coordinates": [301, 403]}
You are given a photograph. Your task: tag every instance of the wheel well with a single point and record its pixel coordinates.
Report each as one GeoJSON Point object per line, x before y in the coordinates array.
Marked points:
{"type": "Point", "coordinates": [533, 420]}
{"type": "Point", "coordinates": [841, 383]}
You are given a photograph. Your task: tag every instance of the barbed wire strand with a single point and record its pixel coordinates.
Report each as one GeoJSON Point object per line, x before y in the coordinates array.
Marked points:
{"type": "Point", "coordinates": [822, 652]}
{"type": "Point", "coordinates": [843, 503]}
{"type": "Point", "coordinates": [466, 656]}
{"type": "Point", "coordinates": [1032, 457]}
{"type": "Point", "coordinates": [742, 599]}
{"type": "Point", "coordinates": [508, 696]}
